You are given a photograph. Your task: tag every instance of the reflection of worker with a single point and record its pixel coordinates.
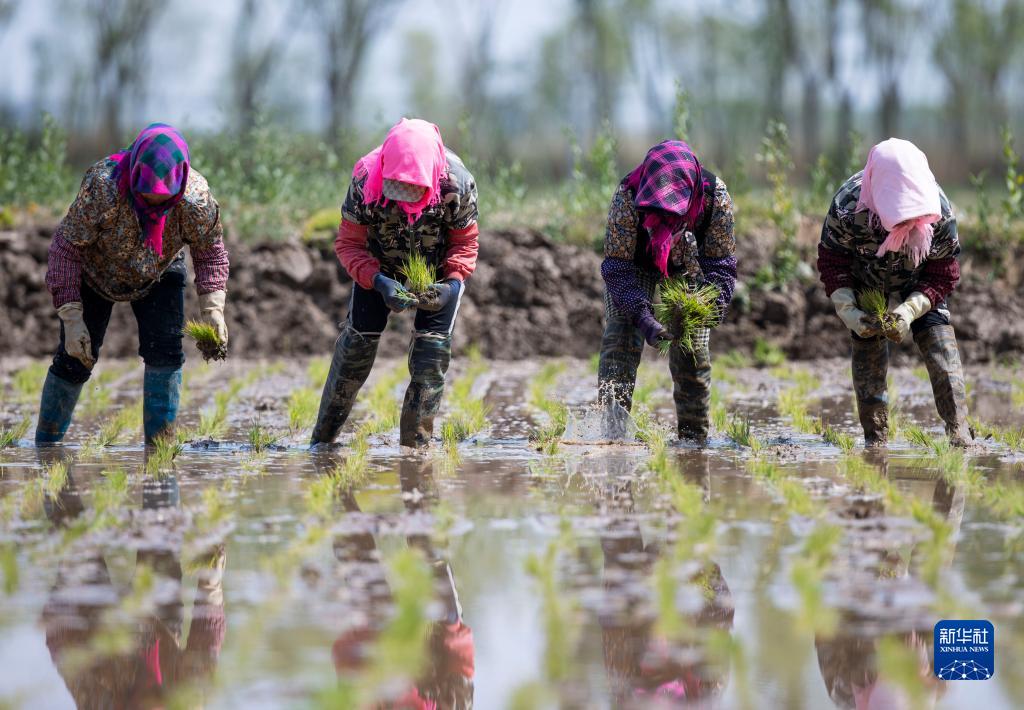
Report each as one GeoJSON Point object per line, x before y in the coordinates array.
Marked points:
{"type": "Point", "coordinates": [669, 217]}
{"type": "Point", "coordinates": [891, 228]}
{"type": "Point", "coordinates": [447, 682]}
{"type": "Point", "coordinates": [640, 663]}
{"type": "Point", "coordinates": [157, 665]}
{"type": "Point", "coordinates": [848, 661]}
{"type": "Point", "coordinates": [122, 240]}
{"type": "Point", "coordinates": [409, 196]}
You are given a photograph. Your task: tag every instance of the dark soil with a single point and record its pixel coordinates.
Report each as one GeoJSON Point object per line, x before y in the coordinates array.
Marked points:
{"type": "Point", "coordinates": [529, 297]}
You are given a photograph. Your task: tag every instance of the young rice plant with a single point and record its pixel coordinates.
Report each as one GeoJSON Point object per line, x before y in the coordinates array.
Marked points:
{"type": "Point", "coordinates": [686, 310]}
{"type": "Point", "coordinates": [207, 340]}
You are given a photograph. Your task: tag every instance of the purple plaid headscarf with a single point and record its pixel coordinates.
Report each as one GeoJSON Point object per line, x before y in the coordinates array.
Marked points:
{"type": "Point", "coordinates": [668, 188]}
{"type": "Point", "coordinates": [158, 163]}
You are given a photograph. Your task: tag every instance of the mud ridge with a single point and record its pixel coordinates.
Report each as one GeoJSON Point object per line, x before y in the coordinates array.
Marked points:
{"type": "Point", "coordinates": [529, 297]}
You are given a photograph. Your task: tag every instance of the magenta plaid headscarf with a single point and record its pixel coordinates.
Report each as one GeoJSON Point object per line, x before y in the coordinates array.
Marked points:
{"type": "Point", "coordinates": [668, 187]}
{"type": "Point", "coordinates": [158, 163]}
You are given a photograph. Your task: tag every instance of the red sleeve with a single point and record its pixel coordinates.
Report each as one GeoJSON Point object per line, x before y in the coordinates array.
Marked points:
{"type": "Point", "coordinates": [938, 279]}
{"type": "Point", "coordinates": [64, 271]}
{"type": "Point", "coordinates": [350, 246]}
{"type": "Point", "coordinates": [212, 267]}
{"type": "Point", "coordinates": [463, 245]}
{"type": "Point", "coordinates": [834, 269]}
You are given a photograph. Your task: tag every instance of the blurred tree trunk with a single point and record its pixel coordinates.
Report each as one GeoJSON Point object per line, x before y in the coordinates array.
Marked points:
{"type": "Point", "coordinates": [251, 64]}
{"type": "Point", "coordinates": [603, 58]}
{"type": "Point", "coordinates": [887, 26]}
{"type": "Point", "coordinates": [346, 28]}
{"type": "Point", "coordinates": [121, 34]}
{"type": "Point", "coordinates": [780, 51]}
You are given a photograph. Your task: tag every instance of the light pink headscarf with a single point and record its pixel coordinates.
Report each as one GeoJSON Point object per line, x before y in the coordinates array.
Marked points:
{"type": "Point", "coordinates": [899, 187]}
{"type": "Point", "coordinates": [412, 152]}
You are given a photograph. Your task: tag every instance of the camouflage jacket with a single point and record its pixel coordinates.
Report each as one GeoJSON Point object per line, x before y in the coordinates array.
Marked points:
{"type": "Point", "coordinates": [390, 237]}
{"type": "Point", "coordinates": [852, 239]}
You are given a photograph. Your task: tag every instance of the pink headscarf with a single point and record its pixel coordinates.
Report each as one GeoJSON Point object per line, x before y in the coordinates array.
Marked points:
{"type": "Point", "coordinates": [412, 152]}
{"type": "Point", "coordinates": [899, 187]}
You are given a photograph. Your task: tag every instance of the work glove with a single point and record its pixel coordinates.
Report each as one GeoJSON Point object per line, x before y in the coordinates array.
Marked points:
{"type": "Point", "coordinates": [440, 294]}
{"type": "Point", "coordinates": [211, 309]}
{"type": "Point", "coordinates": [77, 342]}
{"type": "Point", "coordinates": [916, 305]}
{"type": "Point", "coordinates": [653, 331]}
{"type": "Point", "coordinates": [845, 302]}
{"type": "Point", "coordinates": [395, 294]}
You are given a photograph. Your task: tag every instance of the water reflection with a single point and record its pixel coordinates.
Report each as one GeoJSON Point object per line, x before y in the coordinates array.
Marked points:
{"type": "Point", "coordinates": [447, 680]}
{"type": "Point", "coordinates": [120, 644]}
{"type": "Point", "coordinates": [850, 662]}
{"type": "Point", "coordinates": [643, 664]}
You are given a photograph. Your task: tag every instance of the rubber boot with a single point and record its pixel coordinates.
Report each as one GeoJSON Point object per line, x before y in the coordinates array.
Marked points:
{"type": "Point", "coordinates": [161, 391]}
{"type": "Point", "coordinates": [429, 357]}
{"type": "Point", "coordinates": [56, 406]}
{"type": "Point", "coordinates": [691, 389]}
{"type": "Point", "coordinates": [870, 367]}
{"type": "Point", "coordinates": [622, 346]}
{"type": "Point", "coordinates": [354, 353]}
{"type": "Point", "coordinates": [942, 358]}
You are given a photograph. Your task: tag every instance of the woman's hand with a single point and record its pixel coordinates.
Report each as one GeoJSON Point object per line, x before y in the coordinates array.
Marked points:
{"type": "Point", "coordinates": [845, 302]}
{"type": "Point", "coordinates": [440, 294]}
{"type": "Point", "coordinates": [77, 342]}
{"type": "Point", "coordinates": [211, 309]}
{"type": "Point", "coordinates": [653, 331]}
{"type": "Point", "coordinates": [395, 294]}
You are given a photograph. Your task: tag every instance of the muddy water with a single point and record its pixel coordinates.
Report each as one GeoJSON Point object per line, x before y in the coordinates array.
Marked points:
{"type": "Point", "coordinates": [577, 579]}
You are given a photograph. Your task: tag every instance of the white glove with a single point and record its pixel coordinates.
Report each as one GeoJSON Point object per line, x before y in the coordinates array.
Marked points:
{"type": "Point", "coordinates": [916, 305]}
{"type": "Point", "coordinates": [211, 308]}
{"type": "Point", "coordinates": [845, 301]}
{"type": "Point", "coordinates": [77, 342]}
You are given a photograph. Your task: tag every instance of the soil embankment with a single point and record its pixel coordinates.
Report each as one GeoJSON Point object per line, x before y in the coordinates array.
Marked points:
{"type": "Point", "coordinates": [529, 297]}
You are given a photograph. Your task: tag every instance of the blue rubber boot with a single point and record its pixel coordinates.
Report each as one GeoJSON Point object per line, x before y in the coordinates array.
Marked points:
{"type": "Point", "coordinates": [161, 390]}
{"type": "Point", "coordinates": [55, 409]}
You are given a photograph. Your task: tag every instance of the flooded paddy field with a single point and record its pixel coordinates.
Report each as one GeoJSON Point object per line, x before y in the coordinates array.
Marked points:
{"type": "Point", "coordinates": [780, 567]}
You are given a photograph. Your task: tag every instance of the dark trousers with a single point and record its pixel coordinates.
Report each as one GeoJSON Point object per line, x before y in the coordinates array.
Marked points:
{"type": "Point", "coordinates": [368, 314]}
{"type": "Point", "coordinates": [160, 315]}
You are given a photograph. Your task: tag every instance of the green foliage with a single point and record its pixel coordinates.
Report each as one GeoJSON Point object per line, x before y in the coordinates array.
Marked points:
{"type": "Point", "coordinates": [28, 381]}
{"type": "Point", "coordinates": [321, 226]}
{"type": "Point", "coordinates": [418, 273]}
{"type": "Point", "coordinates": [685, 310]}
{"type": "Point", "coordinates": [206, 339]}
{"type": "Point", "coordinates": [681, 113]}
{"type": "Point", "coordinates": [595, 176]}
{"type": "Point", "coordinates": [161, 456]}
{"type": "Point", "coordinates": [1013, 202]}
{"type": "Point", "coordinates": [776, 157]}
{"type": "Point", "coordinates": [35, 174]}
{"type": "Point", "coordinates": [557, 414]}
{"type": "Point", "coordinates": [9, 567]}
{"type": "Point", "coordinates": [261, 438]}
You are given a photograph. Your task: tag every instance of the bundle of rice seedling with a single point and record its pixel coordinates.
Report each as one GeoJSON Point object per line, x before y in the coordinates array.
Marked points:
{"type": "Point", "coordinates": [685, 309]}
{"type": "Point", "coordinates": [207, 340]}
{"type": "Point", "coordinates": [873, 302]}
{"type": "Point", "coordinates": [419, 274]}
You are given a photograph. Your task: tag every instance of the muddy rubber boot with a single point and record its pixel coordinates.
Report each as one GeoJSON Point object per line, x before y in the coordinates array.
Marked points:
{"type": "Point", "coordinates": [691, 388]}
{"type": "Point", "coordinates": [870, 366]}
{"type": "Point", "coordinates": [354, 353]}
{"type": "Point", "coordinates": [56, 406]}
{"type": "Point", "coordinates": [621, 347]}
{"type": "Point", "coordinates": [942, 358]}
{"type": "Point", "coordinates": [161, 392]}
{"type": "Point", "coordinates": [429, 357]}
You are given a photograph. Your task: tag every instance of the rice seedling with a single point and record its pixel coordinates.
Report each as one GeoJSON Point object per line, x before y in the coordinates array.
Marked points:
{"type": "Point", "coordinates": [733, 360]}
{"type": "Point", "coordinates": [833, 436]}
{"type": "Point", "coordinates": [795, 497]}
{"type": "Point", "coordinates": [876, 305]}
{"type": "Point", "coordinates": [160, 457]}
{"type": "Point", "coordinates": [9, 567]}
{"type": "Point", "coordinates": [302, 408]}
{"type": "Point", "coordinates": [96, 400]}
{"type": "Point", "coordinates": [380, 400]}
{"type": "Point", "coordinates": [419, 274]}
{"type": "Point", "coordinates": [686, 310]}
{"type": "Point", "coordinates": [767, 354]}
{"type": "Point", "coordinates": [55, 478]}
{"type": "Point", "coordinates": [207, 340]}
{"type": "Point", "coordinates": [261, 438]}
{"type": "Point", "coordinates": [557, 608]}
{"type": "Point", "coordinates": [550, 433]}
{"type": "Point", "coordinates": [1008, 436]}
{"type": "Point", "coordinates": [127, 418]}
{"type": "Point", "coordinates": [808, 573]}
{"type": "Point", "coordinates": [739, 431]}
{"type": "Point", "coordinates": [12, 434]}
{"type": "Point", "coordinates": [343, 476]}
{"type": "Point", "coordinates": [317, 370]}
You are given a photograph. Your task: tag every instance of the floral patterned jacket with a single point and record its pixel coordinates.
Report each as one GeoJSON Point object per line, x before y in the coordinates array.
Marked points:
{"type": "Point", "coordinates": [706, 254]}
{"type": "Point", "coordinates": [100, 241]}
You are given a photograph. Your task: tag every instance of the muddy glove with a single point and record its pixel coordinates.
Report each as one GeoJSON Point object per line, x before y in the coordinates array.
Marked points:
{"type": "Point", "coordinates": [653, 331]}
{"type": "Point", "coordinates": [845, 301]}
{"type": "Point", "coordinates": [916, 305]}
{"type": "Point", "coordinates": [440, 294]}
{"type": "Point", "coordinates": [77, 342]}
{"type": "Point", "coordinates": [395, 295]}
{"type": "Point", "coordinates": [211, 308]}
